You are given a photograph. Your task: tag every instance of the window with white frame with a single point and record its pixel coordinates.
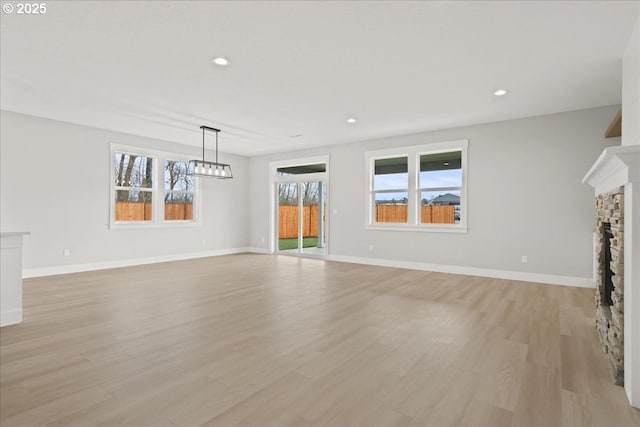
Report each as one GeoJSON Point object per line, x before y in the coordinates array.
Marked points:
{"type": "Point", "coordinates": [440, 186]}
{"type": "Point", "coordinates": [418, 188]}
{"type": "Point", "coordinates": [390, 189]}
{"type": "Point", "coordinates": [178, 191]}
{"type": "Point", "coordinates": [133, 174]}
{"type": "Point", "coordinates": [150, 187]}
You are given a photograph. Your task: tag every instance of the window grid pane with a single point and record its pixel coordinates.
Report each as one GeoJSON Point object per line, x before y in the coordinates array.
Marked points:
{"type": "Point", "coordinates": [176, 177]}
{"type": "Point", "coordinates": [178, 206]}
{"type": "Point", "coordinates": [440, 207]}
{"type": "Point", "coordinates": [391, 207]}
{"type": "Point", "coordinates": [391, 174]}
{"type": "Point", "coordinates": [132, 170]}
{"type": "Point", "coordinates": [133, 205]}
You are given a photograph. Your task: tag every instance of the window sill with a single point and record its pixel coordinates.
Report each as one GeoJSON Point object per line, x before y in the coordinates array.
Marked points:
{"type": "Point", "coordinates": [147, 224]}
{"type": "Point", "coordinates": [420, 228]}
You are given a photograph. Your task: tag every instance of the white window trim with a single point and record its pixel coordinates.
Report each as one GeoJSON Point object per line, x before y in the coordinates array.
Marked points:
{"type": "Point", "coordinates": [413, 218]}
{"type": "Point", "coordinates": [157, 190]}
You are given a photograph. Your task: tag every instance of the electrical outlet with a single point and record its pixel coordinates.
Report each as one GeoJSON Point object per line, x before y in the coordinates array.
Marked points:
{"type": "Point", "coordinates": [370, 248]}
{"type": "Point", "coordinates": [524, 259]}
{"type": "Point", "coordinates": [204, 242]}
{"type": "Point", "coordinates": [66, 252]}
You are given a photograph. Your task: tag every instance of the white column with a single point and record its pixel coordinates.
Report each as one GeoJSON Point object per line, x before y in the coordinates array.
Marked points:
{"type": "Point", "coordinates": [632, 292]}
{"type": "Point", "coordinates": [631, 137]}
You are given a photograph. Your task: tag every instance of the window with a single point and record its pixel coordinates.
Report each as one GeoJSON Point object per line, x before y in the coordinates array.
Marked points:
{"type": "Point", "coordinates": [391, 189]}
{"type": "Point", "coordinates": [178, 191]}
{"type": "Point", "coordinates": [419, 188]}
{"type": "Point", "coordinates": [138, 198]}
{"type": "Point", "coordinates": [133, 187]}
{"type": "Point", "coordinates": [302, 169]}
{"type": "Point", "coordinates": [440, 187]}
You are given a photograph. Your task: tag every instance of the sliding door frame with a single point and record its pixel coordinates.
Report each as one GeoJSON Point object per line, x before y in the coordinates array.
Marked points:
{"type": "Point", "coordinates": [275, 180]}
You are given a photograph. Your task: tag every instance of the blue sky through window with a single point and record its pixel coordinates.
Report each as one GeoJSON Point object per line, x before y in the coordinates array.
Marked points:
{"type": "Point", "coordinates": [441, 178]}
{"type": "Point", "coordinates": [428, 179]}
{"type": "Point", "coordinates": [391, 181]}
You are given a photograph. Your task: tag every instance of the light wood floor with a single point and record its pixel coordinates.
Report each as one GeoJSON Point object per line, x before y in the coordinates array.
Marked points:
{"type": "Point", "coordinates": [254, 340]}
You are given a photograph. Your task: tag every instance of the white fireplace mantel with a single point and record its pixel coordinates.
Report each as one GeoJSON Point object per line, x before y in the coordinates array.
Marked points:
{"type": "Point", "coordinates": [620, 167]}
{"type": "Point", "coordinates": [615, 167]}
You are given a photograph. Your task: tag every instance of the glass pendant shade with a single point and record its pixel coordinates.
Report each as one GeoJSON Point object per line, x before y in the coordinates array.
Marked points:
{"type": "Point", "coordinates": [210, 169]}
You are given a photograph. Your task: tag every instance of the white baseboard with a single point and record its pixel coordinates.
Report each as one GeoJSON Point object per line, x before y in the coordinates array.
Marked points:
{"type": "Point", "coordinates": [584, 282]}
{"type": "Point", "coordinates": [256, 250]}
{"type": "Point", "coordinates": [552, 279]}
{"type": "Point", "coordinates": [77, 268]}
{"type": "Point", "coordinates": [12, 317]}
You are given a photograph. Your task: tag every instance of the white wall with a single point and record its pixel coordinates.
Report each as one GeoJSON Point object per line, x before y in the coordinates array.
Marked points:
{"type": "Point", "coordinates": [55, 184]}
{"type": "Point", "coordinates": [525, 198]}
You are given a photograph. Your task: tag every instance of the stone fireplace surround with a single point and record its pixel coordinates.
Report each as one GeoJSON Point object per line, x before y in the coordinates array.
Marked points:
{"type": "Point", "coordinates": [617, 173]}
{"type": "Point", "coordinates": [610, 318]}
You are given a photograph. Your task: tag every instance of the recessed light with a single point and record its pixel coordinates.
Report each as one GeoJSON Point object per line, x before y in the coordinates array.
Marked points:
{"type": "Point", "coordinates": [500, 92]}
{"type": "Point", "coordinates": [351, 120]}
{"type": "Point", "coordinates": [220, 61]}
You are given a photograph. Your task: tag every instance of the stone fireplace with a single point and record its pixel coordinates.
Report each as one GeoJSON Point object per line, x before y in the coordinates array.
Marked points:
{"type": "Point", "coordinates": [615, 177]}
{"type": "Point", "coordinates": [610, 278]}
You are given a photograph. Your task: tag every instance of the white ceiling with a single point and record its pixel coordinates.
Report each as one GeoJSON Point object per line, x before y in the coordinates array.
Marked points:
{"type": "Point", "coordinates": [304, 67]}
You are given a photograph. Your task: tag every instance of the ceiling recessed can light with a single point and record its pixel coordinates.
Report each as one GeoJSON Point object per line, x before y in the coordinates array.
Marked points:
{"type": "Point", "coordinates": [500, 92]}
{"type": "Point", "coordinates": [219, 60]}
{"type": "Point", "coordinates": [351, 120]}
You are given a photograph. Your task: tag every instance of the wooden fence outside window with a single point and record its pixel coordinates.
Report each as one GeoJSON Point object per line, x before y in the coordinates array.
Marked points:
{"type": "Point", "coordinates": [140, 211]}
{"type": "Point", "coordinates": [288, 221]}
{"type": "Point", "coordinates": [428, 214]}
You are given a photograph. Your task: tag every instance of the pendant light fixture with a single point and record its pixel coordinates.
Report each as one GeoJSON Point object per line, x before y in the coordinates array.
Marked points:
{"type": "Point", "coordinates": [212, 169]}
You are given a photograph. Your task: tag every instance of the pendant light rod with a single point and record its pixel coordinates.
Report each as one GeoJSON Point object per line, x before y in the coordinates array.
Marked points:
{"type": "Point", "coordinates": [209, 128]}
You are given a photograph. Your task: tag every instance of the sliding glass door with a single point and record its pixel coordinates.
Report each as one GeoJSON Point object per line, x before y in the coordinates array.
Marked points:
{"type": "Point", "coordinates": [299, 225]}
{"type": "Point", "coordinates": [301, 222]}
